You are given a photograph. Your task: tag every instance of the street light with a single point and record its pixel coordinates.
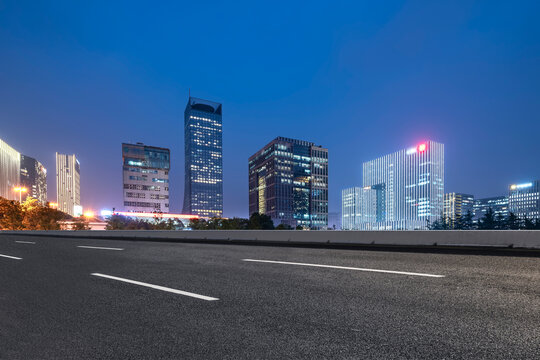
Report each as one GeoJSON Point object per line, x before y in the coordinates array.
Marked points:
{"type": "Point", "coordinates": [20, 190]}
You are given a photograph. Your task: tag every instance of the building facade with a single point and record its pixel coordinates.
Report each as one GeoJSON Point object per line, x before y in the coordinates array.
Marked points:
{"type": "Point", "coordinates": [499, 205]}
{"type": "Point", "coordinates": [68, 184]}
{"type": "Point", "coordinates": [203, 193]}
{"type": "Point", "coordinates": [10, 168]}
{"type": "Point", "coordinates": [524, 200]}
{"type": "Point", "coordinates": [288, 181]}
{"type": "Point", "coordinates": [457, 205]}
{"type": "Point", "coordinates": [34, 179]}
{"type": "Point", "coordinates": [145, 174]}
{"type": "Point", "coordinates": [408, 187]}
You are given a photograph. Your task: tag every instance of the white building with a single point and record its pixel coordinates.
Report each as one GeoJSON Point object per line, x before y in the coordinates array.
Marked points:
{"type": "Point", "coordinates": [524, 200]}
{"type": "Point", "coordinates": [68, 184]}
{"type": "Point", "coordinates": [408, 186]}
{"type": "Point", "coordinates": [10, 168]}
{"type": "Point", "coordinates": [350, 208]}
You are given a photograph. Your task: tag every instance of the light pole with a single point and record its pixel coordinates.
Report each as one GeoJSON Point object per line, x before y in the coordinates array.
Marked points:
{"type": "Point", "coordinates": [20, 190]}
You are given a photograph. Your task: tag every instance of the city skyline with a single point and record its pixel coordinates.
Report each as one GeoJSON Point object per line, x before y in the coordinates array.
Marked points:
{"type": "Point", "coordinates": [476, 93]}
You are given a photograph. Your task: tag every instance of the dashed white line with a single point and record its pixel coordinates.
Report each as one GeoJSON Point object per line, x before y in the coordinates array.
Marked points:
{"type": "Point", "coordinates": [346, 268]}
{"type": "Point", "coordinates": [11, 257]}
{"type": "Point", "coordinates": [24, 242]}
{"type": "Point", "coordinates": [157, 287]}
{"type": "Point", "coordinates": [99, 248]}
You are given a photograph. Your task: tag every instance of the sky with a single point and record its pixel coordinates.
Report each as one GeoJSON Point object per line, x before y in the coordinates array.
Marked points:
{"type": "Point", "coordinates": [362, 78]}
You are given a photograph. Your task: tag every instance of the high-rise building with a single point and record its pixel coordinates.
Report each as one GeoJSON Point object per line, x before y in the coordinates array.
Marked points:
{"type": "Point", "coordinates": [10, 168]}
{"type": "Point", "coordinates": [524, 200]}
{"type": "Point", "coordinates": [457, 205]}
{"type": "Point", "coordinates": [498, 204]}
{"type": "Point", "coordinates": [288, 181]}
{"type": "Point", "coordinates": [408, 187]}
{"type": "Point", "coordinates": [203, 194]}
{"type": "Point", "coordinates": [146, 178]}
{"type": "Point", "coordinates": [34, 179]}
{"type": "Point", "coordinates": [68, 184]}
{"type": "Point", "coordinates": [351, 203]}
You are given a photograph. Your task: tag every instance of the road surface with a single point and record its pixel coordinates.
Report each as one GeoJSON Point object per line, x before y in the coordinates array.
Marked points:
{"type": "Point", "coordinates": [63, 298]}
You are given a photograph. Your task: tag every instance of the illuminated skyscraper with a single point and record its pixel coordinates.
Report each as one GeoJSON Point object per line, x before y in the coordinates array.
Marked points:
{"type": "Point", "coordinates": [524, 200]}
{"type": "Point", "coordinates": [146, 178]}
{"type": "Point", "coordinates": [203, 194]}
{"type": "Point", "coordinates": [457, 206]}
{"type": "Point", "coordinates": [10, 167]}
{"type": "Point", "coordinates": [408, 185]}
{"type": "Point", "coordinates": [34, 179]}
{"type": "Point", "coordinates": [288, 181]}
{"type": "Point", "coordinates": [68, 184]}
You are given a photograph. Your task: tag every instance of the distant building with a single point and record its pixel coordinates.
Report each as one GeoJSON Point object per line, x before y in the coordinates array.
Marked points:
{"type": "Point", "coordinates": [524, 200]}
{"type": "Point", "coordinates": [68, 184]}
{"type": "Point", "coordinates": [406, 187]}
{"type": "Point", "coordinates": [34, 178]}
{"type": "Point", "coordinates": [288, 181]}
{"type": "Point", "coordinates": [10, 168]}
{"type": "Point", "coordinates": [499, 205]}
{"type": "Point", "coordinates": [203, 193]}
{"type": "Point", "coordinates": [145, 178]}
{"type": "Point", "coordinates": [351, 203]}
{"type": "Point", "coordinates": [457, 205]}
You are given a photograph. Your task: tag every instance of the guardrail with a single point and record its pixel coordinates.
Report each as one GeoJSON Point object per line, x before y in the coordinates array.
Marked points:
{"type": "Point", "coordinates": [476, 238]}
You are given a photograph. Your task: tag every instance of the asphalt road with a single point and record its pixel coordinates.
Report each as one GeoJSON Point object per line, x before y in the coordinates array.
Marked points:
{"type": "Point", "coordinates": [62, 301]}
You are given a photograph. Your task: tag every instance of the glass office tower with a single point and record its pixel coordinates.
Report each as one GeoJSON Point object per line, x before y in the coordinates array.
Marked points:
{"type": "Point", "coordinates": [410, 186]}
{"type": "Point", "coordinates": [457, 205]}
{"type": "Point", "coordinates": [34, 178]}
{"type": "Point", "coordinates": [499, 205]}
{"type": "Point", "coordinates": [203, 194]}
{"type": "Point", "coordinates": [524, 200]}
{"type": "Point", "coordinates": [288, 181]}
{"type": "Point", "coordinates": [146, 178]}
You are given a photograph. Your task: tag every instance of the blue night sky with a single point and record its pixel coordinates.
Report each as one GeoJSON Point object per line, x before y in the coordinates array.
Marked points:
{"type": "Point", "coordinates": [362, 78]}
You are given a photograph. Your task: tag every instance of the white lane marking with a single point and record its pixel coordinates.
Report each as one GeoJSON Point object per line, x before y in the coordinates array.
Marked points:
{"type": "Point", "coordinates": [24, 242]}
{"type": "Point", "coordinates": [11, 257]}
{"type": "Point", "coordinates": [157, 287]}
{"type": "Point", "coordinates": [99, 248]}
{"type": "Point", "coordinates": [346, 268]}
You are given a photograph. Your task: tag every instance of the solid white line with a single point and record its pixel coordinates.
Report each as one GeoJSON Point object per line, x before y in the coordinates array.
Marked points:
{"type": "Point", "coordinates": [11, 257]}
{"type": "Point", "coordinates": [157, 287]}
{"type": "Point", "coordinates": [99, 248]}
{"type": "Point", "coordinates": [346, 268]}
{"type": "Point", "coordinates": [25, 242]}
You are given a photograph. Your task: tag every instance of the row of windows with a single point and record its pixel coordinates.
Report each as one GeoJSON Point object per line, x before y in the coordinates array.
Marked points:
{"type": "Point", "coordinates": [144, 204]}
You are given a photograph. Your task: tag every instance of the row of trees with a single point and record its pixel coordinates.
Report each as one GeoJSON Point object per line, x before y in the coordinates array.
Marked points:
{"type": "Point", "coordinates": [119, 222]}
{"type": "Point", "coordinates": [255, 222]}
{"type": "Point", "coordinates": [31, 215]}
{"type": "Point", "coordinates": [490, 221]}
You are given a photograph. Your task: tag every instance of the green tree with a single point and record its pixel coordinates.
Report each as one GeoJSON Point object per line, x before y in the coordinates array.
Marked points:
{"type": "Point", "coordinates": [11, 215]}
{"type": "Point", "coordinates": [260, 222]}
{"type": "Point", "coordinates": [467, 221]}
{"type": "Point", "coordinates": [488, 221]}
{"type": "Point", "coordinates": [513, 222]}
{"type": "Point", "coordinates": [80, 224]}
{"type": "Point", "coordinates": [284, 227]}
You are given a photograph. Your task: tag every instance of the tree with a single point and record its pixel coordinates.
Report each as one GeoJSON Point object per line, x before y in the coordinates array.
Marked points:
{"type": "Point", "coordinates": [513, 222]}
{"type": "Point", "coordinates": [11, 215]}
{"type": "Point", "coordinates": [80, 224]}
{"type": "Point", "coordinates": [284, 227]}
{"type": "Point", "coordinates": [488, 222]}
{"type": "Point", "coordinates": [467, 221]}
{"type": "Point", "coordinates": [260, 222]}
